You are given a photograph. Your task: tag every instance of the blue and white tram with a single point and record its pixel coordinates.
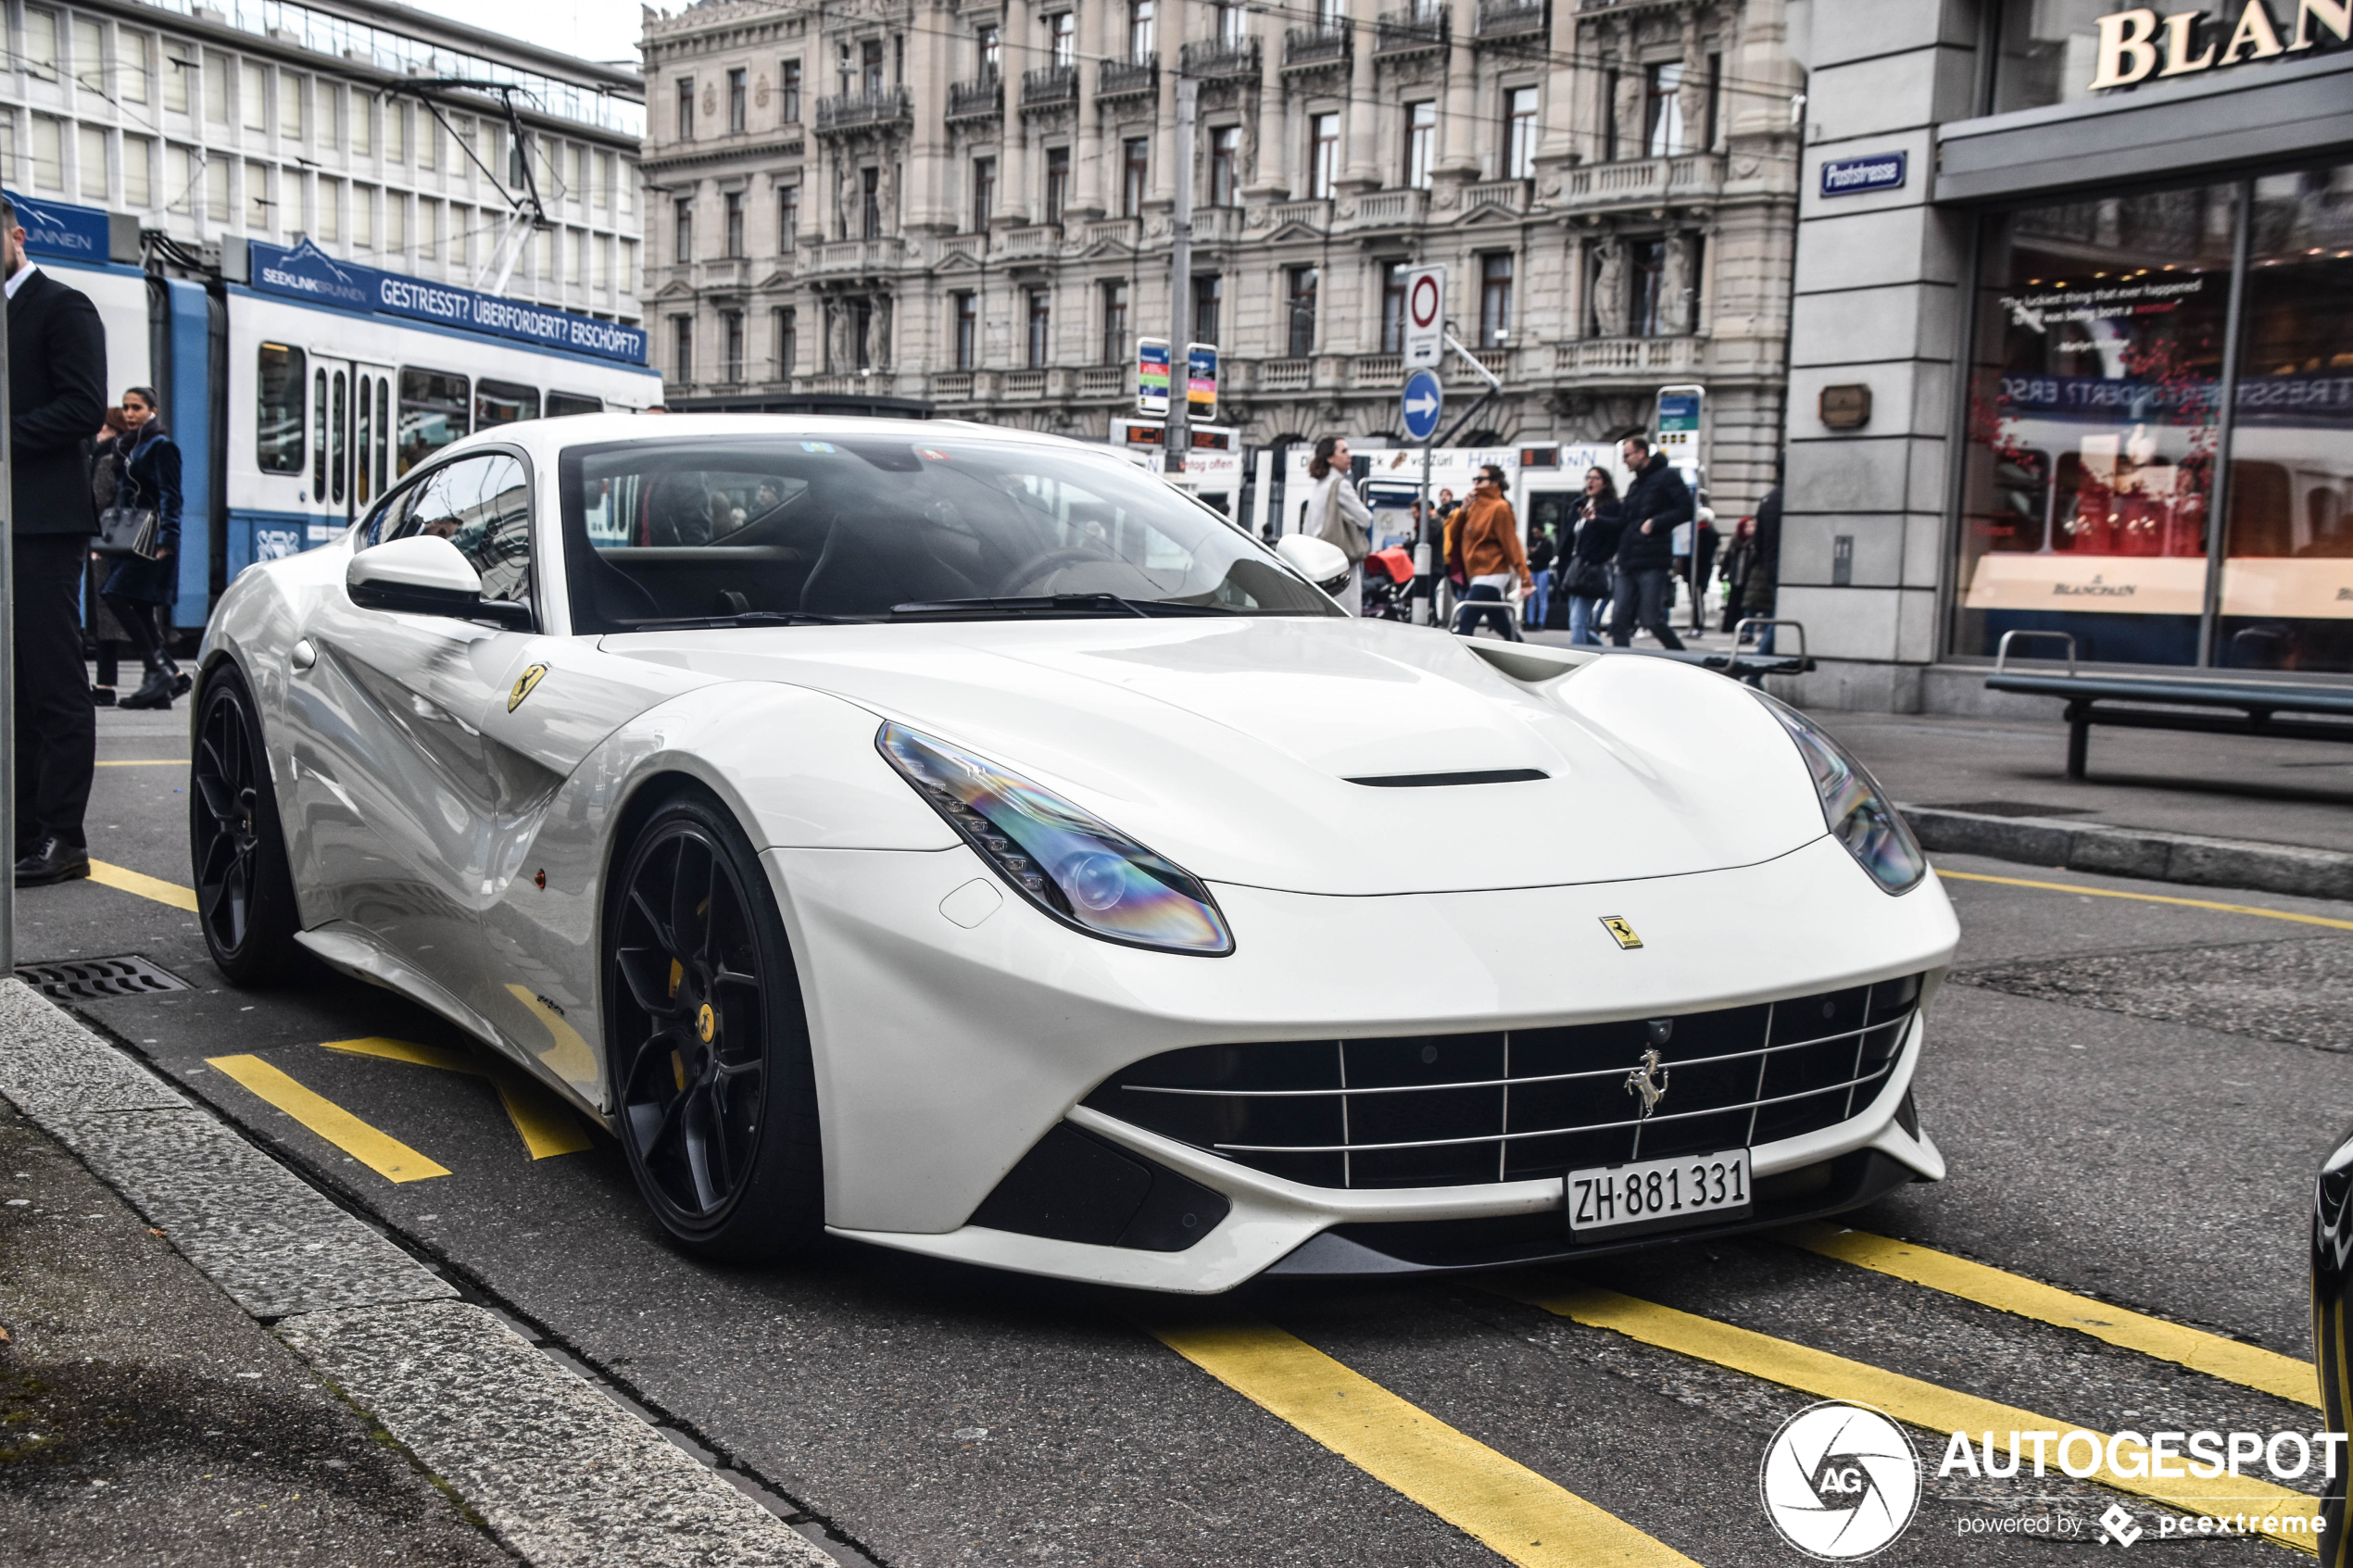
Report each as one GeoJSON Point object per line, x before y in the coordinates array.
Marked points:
{"type": "Point", "coordinates": [340, 378]}
{"type": "Point", "coordinates": [298, 387]}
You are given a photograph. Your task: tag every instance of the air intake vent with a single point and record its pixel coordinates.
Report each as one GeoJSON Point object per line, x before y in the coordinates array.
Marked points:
{"type": "Point", "coordinates": [1438, 780]}
{"type": "Point", "coordinates": [93, 979]}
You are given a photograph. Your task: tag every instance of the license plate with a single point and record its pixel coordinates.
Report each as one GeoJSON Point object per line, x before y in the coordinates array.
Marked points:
{"type": "Point", "coordinates": [1658, 1194]}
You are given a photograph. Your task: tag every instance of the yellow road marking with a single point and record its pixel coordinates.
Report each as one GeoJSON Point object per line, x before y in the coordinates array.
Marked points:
{"type": "Point", "coordinates": [2251, 1366]}
{"type": "Point", "coordinates": [146, 887]}
{"type": "Point", "coordinates": [2150, 898]}
{"type": "Point", "coordinates": [1910, 1400]}
{"type": "Point", "coordinates": [1520, 1514]}
{"type": "Point", "coordinates": [547, 1125]}
{"type": "Point", "coordinates": [380, 1151]}
{"type": "Point", "coordinates": [145, 762]}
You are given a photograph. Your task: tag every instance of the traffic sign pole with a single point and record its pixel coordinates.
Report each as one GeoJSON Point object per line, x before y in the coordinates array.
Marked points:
{"type": "Point", "coordinates": [1179, 445]}
{"type": "Point", "coordinates": [1421, 402]}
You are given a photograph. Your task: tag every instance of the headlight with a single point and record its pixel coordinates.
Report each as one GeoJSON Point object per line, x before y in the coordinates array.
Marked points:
{"type": "Point", "coordinates": [1080, 870]}
{"type": "Point", "coordinates": [1858, 815]}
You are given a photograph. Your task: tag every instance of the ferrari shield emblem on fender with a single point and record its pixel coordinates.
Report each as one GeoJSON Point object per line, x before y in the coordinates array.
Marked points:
{"type": "Point", "coordinates": [1612, 924]}
{"type": "Point", "coordinates": [524, 685]}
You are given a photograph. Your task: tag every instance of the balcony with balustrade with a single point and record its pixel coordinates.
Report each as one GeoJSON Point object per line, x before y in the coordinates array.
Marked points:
{"type": "Point", "coordinates": [1285, 375]}
{"type": "Point", "coordinates": [850, 258]}
{"type": "Point", "coordinates": [1376, 210]}
{"type": "Point", "coordinates": [1638, 356]}
{"type": "Point", "coordinates": [1048, 87]}
{"type": "Point", "coordinates": [1034, 240]}
{"type": "Point", "coordinates": [1316, 215]}
{"type": "Point", "coordinates": [1320, 47]}
{"type": "Point", "coordinates": [1025, 384]}
{"type": "Point", "coordinates": [1511, 195]}
{"type": "Point", "coordinates": [1498, 361]}
{"type": "Point", "coordinates": [1104, 381]}
{"type": "Point", "coordinates": [1376, 370]}
{"type": "Point", "coordinates": [1411, 31]}
{"type": "Point", "coordinates": [1216, 225]}
{"type": "Point", "coordinates": [1124, 233]}
{"type": "Point", "coordinates": [1212, 58]}
{"type": "Point", "coordinates": [1678, 177]}
{"type": "Point", "coordinates": [1128, 79]}
{"type": "Point", "coordinates": [980, 99]}
{"type": "Point", "coordinates": [1510, 21]}
{"type": "Point", "coordinates": [859, 111]}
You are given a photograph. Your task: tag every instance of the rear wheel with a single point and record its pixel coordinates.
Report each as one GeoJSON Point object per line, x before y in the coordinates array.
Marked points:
{"type": "Point", "coordinates": [708, 1040]}
{"type": "Point", "coordinates": [237, 846]}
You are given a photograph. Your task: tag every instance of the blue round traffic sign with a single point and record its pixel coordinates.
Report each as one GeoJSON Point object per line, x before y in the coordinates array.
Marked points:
{"type": "Point", "coordinates": [1420, 402]}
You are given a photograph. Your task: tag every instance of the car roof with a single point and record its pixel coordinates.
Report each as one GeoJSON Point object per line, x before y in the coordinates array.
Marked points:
{"type": "Point", "coordinates": [592, 430]}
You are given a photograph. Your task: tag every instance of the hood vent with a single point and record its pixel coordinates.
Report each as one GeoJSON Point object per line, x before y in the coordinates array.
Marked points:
{"type": "Point", "coordinates": [1438, 780]}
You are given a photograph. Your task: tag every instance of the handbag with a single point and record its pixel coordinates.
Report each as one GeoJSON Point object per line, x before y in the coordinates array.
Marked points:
{"type": "Point", "coordinates": [127, 531]}
{"type": "Point", "coordinates": [1588, 579]}
{"type": "Point", "coordinates": [1339, 529]}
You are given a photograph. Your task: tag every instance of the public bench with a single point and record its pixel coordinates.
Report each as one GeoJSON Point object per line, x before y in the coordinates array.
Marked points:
{"type": "Point", "coordinates": [2169, 702]}
{"type": "Point", "coordinates": [1743, 664]}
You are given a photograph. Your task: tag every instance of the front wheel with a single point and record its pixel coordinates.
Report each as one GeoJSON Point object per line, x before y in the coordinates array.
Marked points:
{"type": "Point", "coordinates": [237, 846]}
{"type": "Point", "coordinates": [708, 1043]}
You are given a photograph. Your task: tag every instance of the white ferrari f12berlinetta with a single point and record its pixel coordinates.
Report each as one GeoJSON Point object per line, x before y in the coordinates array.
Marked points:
{"type": "Point", "coordinates": [958, 839]}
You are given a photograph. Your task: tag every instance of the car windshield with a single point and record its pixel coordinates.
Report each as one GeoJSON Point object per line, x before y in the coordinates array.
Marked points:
{"type": "Point", "coordinates": [764, 528]}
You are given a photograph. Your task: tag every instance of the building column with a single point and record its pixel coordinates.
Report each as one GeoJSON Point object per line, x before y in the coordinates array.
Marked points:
{"type": "Point", "coordinates": [1172, 16]}
{"type": "Point", "coordinates": [1094, 46]}
{"type": "Point", "coordinates": [1363, 113]}
{"type": "Point", "coordinates": [929, 202]}
{"type": "Point", "coordinates": [1457, 135]}
{"type": "Point", "coordinates": [1012, 155]}
{"type": "Point", "coordinates": [1270, 179]}
{"type": "Point", "coordinates": [1568, 81]}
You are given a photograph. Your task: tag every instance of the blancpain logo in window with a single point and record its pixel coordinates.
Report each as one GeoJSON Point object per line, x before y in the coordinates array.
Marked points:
{"type": "Point", "coordinates": [2098, 588]}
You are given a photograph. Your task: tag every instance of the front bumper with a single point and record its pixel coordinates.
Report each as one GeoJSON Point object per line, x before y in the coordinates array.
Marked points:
{"type": "Point", "coordinates": [945, 1050]}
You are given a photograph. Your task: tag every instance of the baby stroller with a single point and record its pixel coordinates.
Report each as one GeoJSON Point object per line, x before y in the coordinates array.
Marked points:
{"type": "Point", "coordinates": [1388, 585]}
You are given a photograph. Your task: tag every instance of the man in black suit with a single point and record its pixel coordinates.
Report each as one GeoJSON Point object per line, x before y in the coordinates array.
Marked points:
{"type": "Point", "coordinates": [56, 401]}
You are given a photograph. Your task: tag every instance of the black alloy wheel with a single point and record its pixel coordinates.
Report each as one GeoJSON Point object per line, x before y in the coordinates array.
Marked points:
{"type": "Point", "coordinates": [708, 1043]}
{"type": "Point", "coordinates": [237, 846]}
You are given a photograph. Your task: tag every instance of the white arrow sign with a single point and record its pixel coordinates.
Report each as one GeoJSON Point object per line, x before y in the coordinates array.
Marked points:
{"type": "Point", "coordinates": [1422, 405]}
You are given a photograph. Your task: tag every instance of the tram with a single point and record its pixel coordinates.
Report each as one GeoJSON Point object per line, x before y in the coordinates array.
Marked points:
{"type": "Point", "coordinates": [300, 387]}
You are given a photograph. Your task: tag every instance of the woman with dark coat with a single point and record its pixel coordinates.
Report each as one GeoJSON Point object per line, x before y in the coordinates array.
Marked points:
{"type": "Point", "coordinates": [147, 464]}
{"type": "Point", "coordinates": [1586, 580]}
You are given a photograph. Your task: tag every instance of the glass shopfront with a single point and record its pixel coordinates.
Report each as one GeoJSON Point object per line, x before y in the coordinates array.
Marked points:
{"type": "Point", "coordinates": [2106, 332]}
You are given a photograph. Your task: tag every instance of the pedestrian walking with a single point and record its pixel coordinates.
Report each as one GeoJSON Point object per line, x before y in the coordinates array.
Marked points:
{"type": "Point", "coordinates": [1737, 562]}
{"type": "Point", "coordinates": [56, 396]}
{"type": "Point", "coordinates": [1657, 502]}
{"type": "Point", "coordinates": [1765, 572]}
{"type": "Point", "coordinates": [105, 634]}
{"type": "Point", "coordinates": [1540, 553]}
{"type": "Point", "coordinates": [1339, 515]}
{"type": "Point", "coordinates": [1587, 580]}
{"type": "Point", "coordinates": [140, 588]}
{"type": "Point", "coordinates": [1487, 533]}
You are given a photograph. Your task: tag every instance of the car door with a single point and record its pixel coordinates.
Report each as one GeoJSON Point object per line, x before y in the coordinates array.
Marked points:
{"type": "Point", "coordinates": [411, 815]}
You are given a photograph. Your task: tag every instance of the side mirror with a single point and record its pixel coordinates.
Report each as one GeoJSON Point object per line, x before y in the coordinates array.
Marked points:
{"type": "Point", "coordinates": [1320, 560]}
{"type": "Point", "coordinates": [425, 574]}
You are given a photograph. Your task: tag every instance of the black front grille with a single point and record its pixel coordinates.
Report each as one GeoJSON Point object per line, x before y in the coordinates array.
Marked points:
{"type": "Point", "coordinates": [1452, 1110]}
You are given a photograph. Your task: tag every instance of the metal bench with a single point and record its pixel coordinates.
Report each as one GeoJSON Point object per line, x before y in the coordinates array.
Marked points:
{"type": "Point", "coordinates": [1743, 665]}
{"type": "Point", "coordinates": [2169, 702]}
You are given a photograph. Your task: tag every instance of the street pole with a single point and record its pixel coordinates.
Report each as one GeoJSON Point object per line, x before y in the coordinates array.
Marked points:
{"type": "Point", "coordinates": [1428, 546]}
{"type": "Point", "coordinates": [8, 660]}
{"type": "Point", "coordinates": [1175, 439]}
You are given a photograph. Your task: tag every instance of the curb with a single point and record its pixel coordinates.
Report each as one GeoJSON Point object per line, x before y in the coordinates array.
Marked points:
{"type": "Point", "coordinates": [2137, 852]}
{"type": "Point", "coordinates": [561, 1471]}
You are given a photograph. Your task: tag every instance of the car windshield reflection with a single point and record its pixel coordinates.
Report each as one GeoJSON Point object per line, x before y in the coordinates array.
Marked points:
{"type": "Point", "coordinates": [777, 530]}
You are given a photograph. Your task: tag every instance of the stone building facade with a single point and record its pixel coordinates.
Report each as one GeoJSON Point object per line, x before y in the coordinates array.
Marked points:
{"type": "Point", "coordinates": [967, 203]}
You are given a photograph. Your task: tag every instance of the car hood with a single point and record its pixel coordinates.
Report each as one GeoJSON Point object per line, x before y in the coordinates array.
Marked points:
{"type": "Point", "coordinates": [1230, 746]}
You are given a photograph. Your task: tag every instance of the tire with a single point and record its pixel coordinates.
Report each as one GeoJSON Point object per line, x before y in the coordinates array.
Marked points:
{"type": "Point", "coordinates": [236, 842]}
{"type": "Point", "coordinates": [708, 1042]}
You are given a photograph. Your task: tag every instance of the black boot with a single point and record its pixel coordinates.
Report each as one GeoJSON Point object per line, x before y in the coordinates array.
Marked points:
{"type": "Point", "coordinates": [155, 692]}
{"type": "Point", "coordinates": [52, 860]}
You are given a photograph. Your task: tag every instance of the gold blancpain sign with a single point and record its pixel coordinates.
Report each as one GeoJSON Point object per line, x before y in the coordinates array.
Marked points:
{"type": "Point", "coordinates": [2138, 44]}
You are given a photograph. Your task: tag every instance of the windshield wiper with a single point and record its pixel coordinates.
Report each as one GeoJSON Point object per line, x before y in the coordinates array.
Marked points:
{"type": "Point", "coordinates": [1047, 606]}
{"type": "Point", "coordinates": [750, 617]}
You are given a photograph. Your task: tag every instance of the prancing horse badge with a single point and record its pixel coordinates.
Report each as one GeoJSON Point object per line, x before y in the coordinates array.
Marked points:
{"type": "Point", "coordinates": [529, 681]}
{"type": "Point", "coordinates": [1612, 924]}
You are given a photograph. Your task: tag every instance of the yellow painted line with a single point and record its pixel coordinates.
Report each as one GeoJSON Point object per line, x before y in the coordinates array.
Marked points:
{"type": "Point", "coordinates": [146, 887]}
{"type": "Point", "coordinates": [2250, 1366]}
{"type": "Point", "coordinates": [1920, 1404]}
{"type": "Point", "coordinates": [144, 762]}
{"type": "Point", "coordinates": [1518, 1514]}
{"type": "Point", "coordinates": [380, 1151]}
{"type": "Point", "coordinates": [547, 1126]}
{"type": "Point", "coordinates": [2151, 899]}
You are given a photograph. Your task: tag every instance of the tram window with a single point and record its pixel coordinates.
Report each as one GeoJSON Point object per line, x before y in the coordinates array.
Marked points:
{"type": "Point", "coordinates": [563, 403]}
{"type": "Point", "coordinates": [336, 434]}
{"type": "Point", "coordinates": [279, 382]}
{"type": "Point", "coordinates": [318, 447]}
{"type": "Point", "coordinates": [503, 402]}
{"type": "Point", "coordinates": [435, 412]}
{"type": "Point", "coordinates": [384, 432]}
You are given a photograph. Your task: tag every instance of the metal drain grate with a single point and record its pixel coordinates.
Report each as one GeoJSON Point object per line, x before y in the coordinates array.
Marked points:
{"type": "Point", "coordinates": [90, 979]}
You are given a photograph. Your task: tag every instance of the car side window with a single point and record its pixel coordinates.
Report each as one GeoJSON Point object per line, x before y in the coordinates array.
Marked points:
{"type": "Point", "coordinates": [482, 506]}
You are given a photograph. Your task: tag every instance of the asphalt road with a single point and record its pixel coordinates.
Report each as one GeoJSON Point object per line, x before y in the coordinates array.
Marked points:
{"type": "Point", "coordinates": [2133, 1096]}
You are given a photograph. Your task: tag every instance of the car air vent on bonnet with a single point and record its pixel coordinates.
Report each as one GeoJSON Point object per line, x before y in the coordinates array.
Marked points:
{"type": "Point", "coordinates": [1470, 776]}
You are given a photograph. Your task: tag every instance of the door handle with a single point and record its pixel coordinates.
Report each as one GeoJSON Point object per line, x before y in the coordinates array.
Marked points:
{"type": "Point", "coordinates": [304, 656]}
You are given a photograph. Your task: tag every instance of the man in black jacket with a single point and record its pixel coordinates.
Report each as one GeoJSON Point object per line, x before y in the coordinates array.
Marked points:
{"type": "Point", "coordinates": [1656, 503]}
{"type": "Point", "coordinates": [56, 401]}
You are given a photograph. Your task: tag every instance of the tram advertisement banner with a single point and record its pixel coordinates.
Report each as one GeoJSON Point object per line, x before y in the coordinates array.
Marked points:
{"type": "Point", "coordinates": [306, 273]}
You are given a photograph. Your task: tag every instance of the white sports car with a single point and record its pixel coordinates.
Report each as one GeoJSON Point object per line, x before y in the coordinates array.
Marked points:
{"type": "Point", "coordinates": [956, 839]}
